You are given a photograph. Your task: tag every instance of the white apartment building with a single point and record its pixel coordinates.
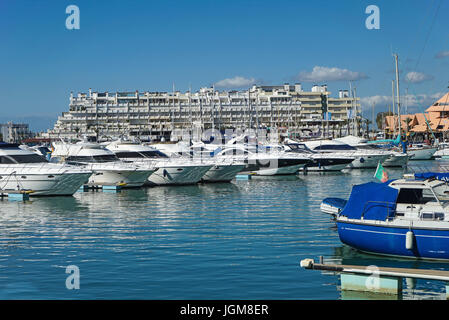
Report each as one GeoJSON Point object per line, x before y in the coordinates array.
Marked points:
{"type": "Point", "coordinates": [15, 132]}
{"type": "Point", "coordinates": [151, 115]}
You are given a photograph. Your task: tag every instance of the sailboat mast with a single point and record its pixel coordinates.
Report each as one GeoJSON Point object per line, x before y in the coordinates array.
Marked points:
{"type": "Point", "coordinates": [397, 93]}
{"type": "Point", "coordinates": [394, 103]}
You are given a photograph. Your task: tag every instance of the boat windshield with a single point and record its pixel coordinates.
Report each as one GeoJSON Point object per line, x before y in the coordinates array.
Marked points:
{"type": "Point", "coordinates": [21, 158]}
{"type": "Point", "coordinates": [335, 147]}
{"type": "Point", "coordinates": [98, 158]}
{"type": "Point", "coordinates": [140, 154]}
{"type": "Point", "coordinates": [297, 147]}
{"type": "Point", "coordinates": [153, 154]}
{"type": "Point", "coordinates": [423, 196]}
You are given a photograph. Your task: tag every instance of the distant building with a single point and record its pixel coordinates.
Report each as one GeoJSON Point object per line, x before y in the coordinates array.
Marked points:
{"type": "Point", "coordinates": [434, 120]}
{"type": "Point", "coordinates": [15, 132]}
{"type": "Point", "coordinates": [151, 115]}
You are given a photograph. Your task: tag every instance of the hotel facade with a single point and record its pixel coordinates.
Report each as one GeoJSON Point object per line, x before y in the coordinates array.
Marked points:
{"type": "Point", "coordinates": [153, 115]}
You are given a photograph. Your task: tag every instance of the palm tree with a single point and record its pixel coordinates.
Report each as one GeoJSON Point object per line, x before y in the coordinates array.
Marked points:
{"type": "Point", "coordinates": [367, 123]}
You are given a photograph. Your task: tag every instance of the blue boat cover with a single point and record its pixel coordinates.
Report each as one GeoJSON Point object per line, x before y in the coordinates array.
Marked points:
{"type": "Point", "coordinates": [372, 201]}
{"type": "Point", "coordinates": [436, 175]}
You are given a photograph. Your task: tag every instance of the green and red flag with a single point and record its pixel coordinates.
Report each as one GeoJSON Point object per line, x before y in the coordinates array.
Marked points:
{"type": "Point", "coordinates": [380, 173]}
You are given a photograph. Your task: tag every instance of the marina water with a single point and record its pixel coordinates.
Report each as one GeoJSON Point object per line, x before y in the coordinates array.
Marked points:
{"type": "Point", "coordinates": [239, 240]}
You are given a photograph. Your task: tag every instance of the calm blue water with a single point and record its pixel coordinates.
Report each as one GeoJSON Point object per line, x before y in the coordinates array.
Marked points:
{"type": "Point", "coordinates": [239, 240]}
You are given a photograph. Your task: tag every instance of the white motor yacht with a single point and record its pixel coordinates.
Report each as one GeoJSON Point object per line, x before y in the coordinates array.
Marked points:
{"type": "Point", "coordinates": [421, 152]}
{"type": "Point", "coordinates": [362, 158]}
{"type": "Point", "coordinates": [395, 159]}
{"type": "Point", "coordinates": [107, 168]}
{"type": "Point", "coordinates": [223, 169]}
{"type": "Point", "coordinates": [321, 161]}
{"type": "Point", "coordinates": [170, 171]}
{"type": "Point", "coordinates": [25, 170]}
{"type": "Point", "coordinates": [443, 151]}
{"type": "Point", "coordinates": [266, 161]}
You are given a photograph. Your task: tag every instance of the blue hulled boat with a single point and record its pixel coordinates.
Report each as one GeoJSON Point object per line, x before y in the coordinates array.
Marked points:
{"type": "Point", "coordinates": [406, 218]}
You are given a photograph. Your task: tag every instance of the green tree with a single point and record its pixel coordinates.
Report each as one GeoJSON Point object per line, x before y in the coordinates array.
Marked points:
{"type": "Point", "coordinates": [380, 118]}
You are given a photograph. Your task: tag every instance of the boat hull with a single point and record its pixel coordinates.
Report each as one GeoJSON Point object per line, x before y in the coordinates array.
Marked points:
{"type": "Point", "coordinates": [396, 161]}
{"type": "Point", "coordinates": [42, 185]}
{"type": "Point", "coordinates": [179, 175]}
{"type": "Point", "coordinates": [366, 162]}
{"type": "Point", "coordinates": [274, 167]}
{"type": "Point", "coordinates": [391, 240]}
{"type": "Point", "coordinates": [131, 179]}
{"type": "Point", "coordinates": [328, 165]}
{"type": "Point", "coordinates": [222, 173]}
{"type": "Point", "coordinates": [422, 154]}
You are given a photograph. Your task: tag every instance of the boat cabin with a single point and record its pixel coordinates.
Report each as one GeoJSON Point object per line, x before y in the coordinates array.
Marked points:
{"type": "Point", "coordinates": [421, 200]}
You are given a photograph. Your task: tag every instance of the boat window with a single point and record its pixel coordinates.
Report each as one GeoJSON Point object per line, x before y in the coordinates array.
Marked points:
{"type": "Point", "coordinates": [414, 196]}
{"type": "Point", "coordinates": [335, 147]}
{"type": "Point", "coordinates": [235, 152]}
{"type": "Point", "coordinates": [369, 147]}
{"type": "Point", "coordinates": [298, 147]}
{"type": "Point", "coordinates": [21, 158]}
{"type": "Point", "coordinates": [153, 154]}
{"type": "Point", "coordinates": [129, 154]}
{"type": "Point", "coordinates": [105, 158]}
{"type": "Point", "coordinates": [99, 158]}
{"type": "Point", "coordinates": [432, 215]}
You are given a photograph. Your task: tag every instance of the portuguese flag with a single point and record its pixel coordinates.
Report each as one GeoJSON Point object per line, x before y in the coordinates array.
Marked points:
{"type": "Point", "coordinates": [380, 173]}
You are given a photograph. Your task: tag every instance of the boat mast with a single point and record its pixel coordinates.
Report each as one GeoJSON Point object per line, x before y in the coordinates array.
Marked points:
{"type": "Point", "coordinates": [397, 93]}
{"type": "Point", "coordinates": [394, 103]}
{"type": "Point", "coordinates": [356, 123]}
{"type": "Point", "coordinates": [352, 107]}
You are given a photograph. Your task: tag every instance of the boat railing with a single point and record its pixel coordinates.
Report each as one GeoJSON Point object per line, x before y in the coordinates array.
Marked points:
{"type": "Point", "coordinates": [390, 206]}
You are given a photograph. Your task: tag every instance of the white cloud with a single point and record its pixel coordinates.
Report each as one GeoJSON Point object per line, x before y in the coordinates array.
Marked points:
{"type": "Point", "coordinates": [442, 54]}
{"type": "Point", "coordinates": [236, 82]}
{"type": "Point", "coordinates": [330, 74]}
{"type": "Point", "coordinates": [417, 77]}
{"type": "Point", "coordinates": [414, 103]}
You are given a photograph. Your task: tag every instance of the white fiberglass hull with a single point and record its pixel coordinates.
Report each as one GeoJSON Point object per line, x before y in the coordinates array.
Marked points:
{"type": "Point", "coordinates": [443, 153]}
{"type": "Point", "coordinates": [44, 184]}
{"type": "Point", "coordinates": [223, 173]}
{"type": "Point", "coordinates": [399, 160]}
{"type": "Point", "coordinates": [278, 171]}
{"type": "Point", "coordinates": [178, 175]}
{"type": "Point", "coordinates": [421, 154]}
{"type": "Point", "coordinates": [366, 161]}
{"type": "Point", "coordinates": [128, 178]}
{"type": "Point", "coordinates": [336, 167]}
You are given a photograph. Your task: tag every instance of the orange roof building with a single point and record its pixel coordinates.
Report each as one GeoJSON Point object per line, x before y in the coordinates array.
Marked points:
{"type": "Point", "coordinates": [437, 116]}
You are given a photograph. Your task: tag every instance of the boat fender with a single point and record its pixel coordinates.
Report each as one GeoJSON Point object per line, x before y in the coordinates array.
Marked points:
{"type": "Point", "coordinates": [362, 160]}
{"type": "Point", "coordinates": [409, 238]}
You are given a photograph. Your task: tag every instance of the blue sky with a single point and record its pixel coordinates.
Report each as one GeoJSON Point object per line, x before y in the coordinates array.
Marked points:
{"type": "Point", "coordinates": [149, 45]}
